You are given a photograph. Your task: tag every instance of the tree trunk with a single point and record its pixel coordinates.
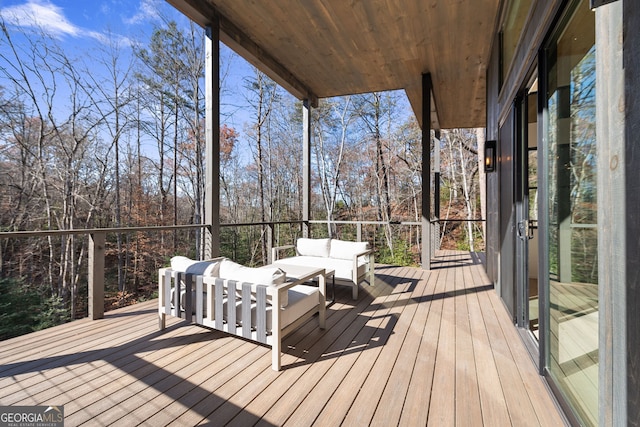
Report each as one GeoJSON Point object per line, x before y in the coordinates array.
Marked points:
{"type": "Point", "coordinates": [467, 200]}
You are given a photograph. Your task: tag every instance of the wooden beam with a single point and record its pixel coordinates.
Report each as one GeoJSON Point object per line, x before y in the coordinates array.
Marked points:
{"type": "Point", "coordinates": [239, 42]}
{"type": "Point", "coordinates": [203, 13]}
{"type": "Point", "coordinates": [200, 12]}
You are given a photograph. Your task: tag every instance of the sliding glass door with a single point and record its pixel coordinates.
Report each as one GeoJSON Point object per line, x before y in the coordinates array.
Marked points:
{"type": "Point", "coordinates": [572, 289]}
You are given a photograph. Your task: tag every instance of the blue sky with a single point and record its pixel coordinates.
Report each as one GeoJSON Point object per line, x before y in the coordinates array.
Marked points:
{"type": "Point", "coordinates": [76, 21]}
{"type": "Point", "coordinates": [81, 26]}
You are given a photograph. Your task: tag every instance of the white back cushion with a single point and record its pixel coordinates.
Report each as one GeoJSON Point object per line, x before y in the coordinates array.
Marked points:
{"type": "Point", "coordinates": [270, 276]}
{"type": "Point", "coordinates": [341, 249]}
{"type": "Point", "coordinates": [313, 247]}
{"type": "Point", "coordinates": [259, 276]}
{"type": "Point", "coordinates": [188, 265]}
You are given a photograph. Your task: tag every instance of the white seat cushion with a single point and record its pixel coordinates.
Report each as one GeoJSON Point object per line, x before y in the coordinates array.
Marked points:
{"type": "Point", "coordinates": [302, 298]}
{"type": "Point", "coordinates": [343, 268]}
{"type": "Point", "coordinates": [347, 250]}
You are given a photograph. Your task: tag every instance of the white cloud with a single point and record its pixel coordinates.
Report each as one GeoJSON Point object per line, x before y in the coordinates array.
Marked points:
{"type": "Point", "coordinates": [148, 10]}
{"type": "Point", "coordinates": [105, 9]}
{"type": "Point", "coordinates": [40, 14]}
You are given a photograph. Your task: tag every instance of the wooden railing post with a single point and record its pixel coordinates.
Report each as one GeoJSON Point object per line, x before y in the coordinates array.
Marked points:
{"type": "Point", "coordinates": [270, 240]}
{"type": "Point", "coordinates": [96, 275]}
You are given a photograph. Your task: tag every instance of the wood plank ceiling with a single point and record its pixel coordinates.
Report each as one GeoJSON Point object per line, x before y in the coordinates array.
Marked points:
{"type": "Point", "coordinates": [324, 48]}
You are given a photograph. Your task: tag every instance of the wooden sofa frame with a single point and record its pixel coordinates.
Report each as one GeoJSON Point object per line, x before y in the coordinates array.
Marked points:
{"type": "Point", "coordinates": [217, 294]}
{"type": "Point", "coordinates": [353, 281]}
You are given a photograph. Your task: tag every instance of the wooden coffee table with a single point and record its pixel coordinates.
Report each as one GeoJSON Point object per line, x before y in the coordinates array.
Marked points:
{"type": "Point", "coordinates": [296, 272]}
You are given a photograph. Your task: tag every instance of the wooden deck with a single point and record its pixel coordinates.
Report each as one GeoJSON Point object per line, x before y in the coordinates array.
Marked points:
{"type": "Point", "coordinates": [419, 348]}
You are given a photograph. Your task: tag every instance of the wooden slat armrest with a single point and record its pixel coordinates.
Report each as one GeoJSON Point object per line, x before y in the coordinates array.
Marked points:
{"type": "Point", "coordinates": [169, 304]}
{"type": "Point", "coordinates": [283, 247]}
{"type": "Point", "coordinates": [367, 252]}
{"type": "Point", "coordinates": [271, 289]}
{"type": "Point", "coordinates": [255, 295]}
{"type": "Point", "coordinates": [276, 250]}
{"type": "Point", "coordinates": [165, 270]}
{"type": "Point", "coordinates": [356, 277]}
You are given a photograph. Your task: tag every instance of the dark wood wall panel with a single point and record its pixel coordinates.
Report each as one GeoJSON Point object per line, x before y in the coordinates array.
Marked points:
{"type": "Point", "coordinates": [541, 19]}
{"type": "Point", "coordinates": [631, 61]}
{"type": "Point", "coordinates": [507, 250]}
{"type": "Point", "coordinates": [493, 194]}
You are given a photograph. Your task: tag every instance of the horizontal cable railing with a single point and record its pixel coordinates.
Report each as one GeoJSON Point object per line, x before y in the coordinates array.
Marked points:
{"type": "Point", "coordinates": [97, 242]}
{"type": "Point", "coordinates": [96, 254]}
{"type": "Point", "coordinates": [85, 231]}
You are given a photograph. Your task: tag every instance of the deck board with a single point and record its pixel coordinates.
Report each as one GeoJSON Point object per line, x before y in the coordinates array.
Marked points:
{"type": "Point", "coordinates": [442, 402]}
{"type": "Point", "coordinates": [419, 348]}
{"type": "Point", "coordinates": [418, 395]}
{"type": "Point", "coordinates": [392, 401]}
{"type": "Point", "coordinates": [468, 408]}
{"type": "Point", "coordinates": [395, 325]}
{"type": "Point", "coordinates": [331, 402]}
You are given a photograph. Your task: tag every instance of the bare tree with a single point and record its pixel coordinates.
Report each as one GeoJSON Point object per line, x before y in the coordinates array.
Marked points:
{"type": "Point", "coordinates": [482, 179]}
{"type": "Point", "coordinates": [408, 151]}
{"type": "Point", "coordinates": [375, 109]}
{"type": "Point", "coordinates": [262, 93]}
{"type": "Point", "coordinates": [331, 132]}
{"type": "Point", "coordinates": [115, 96]}
{"type": "Point", "coordinates": [460, 160]}
{"type": "Point", "coordinates": [161, 81]}
{"type": "Point", "coordinates": [194, 54]}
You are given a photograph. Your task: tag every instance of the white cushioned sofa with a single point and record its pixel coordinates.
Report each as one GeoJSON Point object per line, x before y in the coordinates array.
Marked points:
{"type": "Point", "coordinates": [352, 262]}
{"type": "Point", "coordinates": [239, 300]}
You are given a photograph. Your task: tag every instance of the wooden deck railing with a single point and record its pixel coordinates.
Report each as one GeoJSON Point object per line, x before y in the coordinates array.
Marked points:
{"type": "Point", "coordinates": [97, 240]}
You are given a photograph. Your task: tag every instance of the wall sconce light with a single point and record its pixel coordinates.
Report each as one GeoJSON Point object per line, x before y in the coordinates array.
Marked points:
{"type": "Point", "coordinates": [489, 156]}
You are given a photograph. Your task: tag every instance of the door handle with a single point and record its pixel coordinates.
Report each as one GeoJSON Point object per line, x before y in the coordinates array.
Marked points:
{"type": "Point", "coordinates": [525, 232]}
{"type": "Point", "coordinates": [521, 229]}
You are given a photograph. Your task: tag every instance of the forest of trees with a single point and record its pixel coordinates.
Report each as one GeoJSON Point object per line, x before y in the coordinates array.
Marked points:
{"type": "Point", "coordinates": [115, 138]}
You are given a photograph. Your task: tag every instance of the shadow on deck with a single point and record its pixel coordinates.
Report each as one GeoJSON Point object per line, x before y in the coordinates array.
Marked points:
{"type": "Point", "coordinates": [420, 347]}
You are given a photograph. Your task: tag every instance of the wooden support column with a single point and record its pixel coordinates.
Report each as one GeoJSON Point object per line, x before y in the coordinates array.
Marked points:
{"type": "Point", "coordinates": [618, 201]}
{"type": "Point", "coordinates": [212, 134]}
{"type": "Point", "coordinates": [306, 167]}
{"type": "Point", "coordinates": [96, 275]}
{"type": "Point", "coordinates": [426, 171]}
